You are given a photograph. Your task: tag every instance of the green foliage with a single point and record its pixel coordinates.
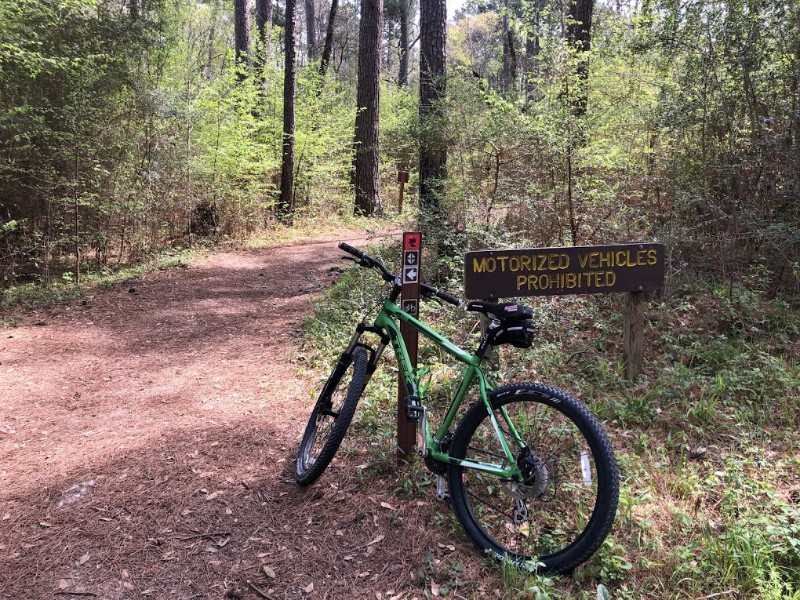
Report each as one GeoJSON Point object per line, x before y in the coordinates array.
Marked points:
{"type": "Point", "coordinates": [124, 136]}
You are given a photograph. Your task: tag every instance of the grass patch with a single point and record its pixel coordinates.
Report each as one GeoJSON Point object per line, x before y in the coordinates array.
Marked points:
{"type": "Point", "coordinates": [706, 438]}
{"type": "Point", "coordinates": [35, 295]}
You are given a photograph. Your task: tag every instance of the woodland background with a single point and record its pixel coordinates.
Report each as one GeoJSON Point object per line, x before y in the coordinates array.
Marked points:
{"type": "Point", "coordinates": [128, 127]}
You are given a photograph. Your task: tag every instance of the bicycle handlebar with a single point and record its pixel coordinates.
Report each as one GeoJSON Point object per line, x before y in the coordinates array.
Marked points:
{"type": "Point", "coordinates": [365, 260]}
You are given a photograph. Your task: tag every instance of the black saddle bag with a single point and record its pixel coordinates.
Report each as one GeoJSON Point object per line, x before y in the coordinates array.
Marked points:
{"type": "Point", "coordinates": [517, 332]}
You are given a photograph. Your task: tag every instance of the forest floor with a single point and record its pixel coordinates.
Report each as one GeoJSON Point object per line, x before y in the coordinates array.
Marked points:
{"type": "Point", "coordinates": [147, 440]}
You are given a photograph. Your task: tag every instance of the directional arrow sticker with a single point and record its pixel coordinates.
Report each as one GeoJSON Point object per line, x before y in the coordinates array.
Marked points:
{"type": "Point", "coordinates": [410, 274]}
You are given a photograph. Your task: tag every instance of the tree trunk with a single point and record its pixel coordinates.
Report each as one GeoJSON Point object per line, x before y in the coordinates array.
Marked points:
{"type": "Point", "coordinates": [532, 49]}
{"type": "Point", "coordinates": [512, 60]}
{"type": "Point", "coordinates": [326, 52]}
{"type": "Point", "coordinates": [402, 75]}
{"type": "Point", "coordinates": [241, 28]}
{"type": "Point", "coordinates": [579, 38]}
{"type": "Point", "coordinates": [505, 76]}
{"type": "Point", "coordinates": [264, 26]}
{"type": "Point", "coordinates": [311, 29]}
{"type": "Point", "coordinates": [365, 174]}
{"type": "Point", "coordinates": [432, 89]}
{"type": "Point", "coordinates": [286, 200]}
{"type": "Point", "coordinates": [133, 7]}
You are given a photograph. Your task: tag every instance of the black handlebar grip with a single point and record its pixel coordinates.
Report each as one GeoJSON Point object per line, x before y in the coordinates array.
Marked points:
{"type": "Point", "coordinates": [431, 291]}
{"type": "Point", "coordinates": [448, 298]}
{"type": "Point", "coordinates": [350, 250]}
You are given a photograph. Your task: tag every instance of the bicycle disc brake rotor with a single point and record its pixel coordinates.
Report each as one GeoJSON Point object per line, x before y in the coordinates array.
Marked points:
{"type": "Point", "coordinates": [535, 476]}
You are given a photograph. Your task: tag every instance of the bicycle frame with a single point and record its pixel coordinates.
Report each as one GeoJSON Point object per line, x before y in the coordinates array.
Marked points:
{"type": "Point", "coordinates": [386, 325]}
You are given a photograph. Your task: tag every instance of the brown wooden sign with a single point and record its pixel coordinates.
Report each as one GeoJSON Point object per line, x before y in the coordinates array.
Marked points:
{"type": "Point", "coordinates": [569, 270]}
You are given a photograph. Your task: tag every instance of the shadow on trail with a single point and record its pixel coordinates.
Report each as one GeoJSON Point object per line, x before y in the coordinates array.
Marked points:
{"type": "Point", "coordinates": [199, 514]}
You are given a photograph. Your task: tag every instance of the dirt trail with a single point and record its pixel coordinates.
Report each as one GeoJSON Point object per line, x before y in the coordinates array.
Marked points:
{"type": "Point", "coordinates": [146, 441]}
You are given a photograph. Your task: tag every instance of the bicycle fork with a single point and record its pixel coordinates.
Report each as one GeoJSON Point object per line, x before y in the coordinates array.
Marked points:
{"type": "Point", "coordinates": [375, 353]}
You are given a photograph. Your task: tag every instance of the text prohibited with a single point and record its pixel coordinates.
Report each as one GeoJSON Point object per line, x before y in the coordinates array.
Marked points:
{"type": "Point", "coordinates": [568, 270]}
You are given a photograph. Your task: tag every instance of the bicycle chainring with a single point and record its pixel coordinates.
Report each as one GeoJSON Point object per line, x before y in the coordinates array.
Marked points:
{"type": "Point", "coordinates": [440, 468]}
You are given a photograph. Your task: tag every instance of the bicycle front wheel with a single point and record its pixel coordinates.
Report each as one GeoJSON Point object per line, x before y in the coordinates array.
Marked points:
{"type": "Point", "coordinates": [331, 416]}
{"type": "Point", "coordinates": [557, 514]}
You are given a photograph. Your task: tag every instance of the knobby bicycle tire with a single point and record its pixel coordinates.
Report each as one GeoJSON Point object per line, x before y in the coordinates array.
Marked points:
{"type": "Point", "coordinates": [331, 417]}
{"type": "Point", "coordinates": [564, 510]}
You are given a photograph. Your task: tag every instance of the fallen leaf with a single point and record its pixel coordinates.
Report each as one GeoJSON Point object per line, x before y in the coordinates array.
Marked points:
{"type": "Point", "coordinates": [214, 495]}
{"type": "Point", "coordinates": [45, 524]}
{"type": "Point", "coordinates": [387, 506]}
{"type": "Point", "coordinates": [84, 559]}
{"type": "Point", "coordinates": [376, 540]}
{"type": "Point", "coordinates": [434, 588]}
{"type": "Point", "coordinates": [62, 584]}
{"type": "Point", "coordinates": [309, 588]}
{"type": "Point", "coordinates": [269, 571]}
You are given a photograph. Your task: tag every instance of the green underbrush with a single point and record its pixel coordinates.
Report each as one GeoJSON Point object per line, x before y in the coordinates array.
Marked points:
{"type": "Point", "coordinates": [27, 295]}
{"type": "Point", "coordinates": [706, 437]}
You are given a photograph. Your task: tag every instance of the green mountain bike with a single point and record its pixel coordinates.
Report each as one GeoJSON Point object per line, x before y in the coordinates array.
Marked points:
{"type": "Point", "coordinates": [528, 470]}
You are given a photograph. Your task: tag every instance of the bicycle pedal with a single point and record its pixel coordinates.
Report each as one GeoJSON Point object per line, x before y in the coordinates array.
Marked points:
{"type": "Point", "coordinates": [414, 409]}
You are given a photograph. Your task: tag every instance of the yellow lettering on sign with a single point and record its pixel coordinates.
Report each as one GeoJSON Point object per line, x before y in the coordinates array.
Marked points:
{"type": "Point", "coordinates": [486, 265]}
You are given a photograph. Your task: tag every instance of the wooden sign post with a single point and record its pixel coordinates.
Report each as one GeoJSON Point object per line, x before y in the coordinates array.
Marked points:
{"type": "Point", "coordinates": [402, 178]}
{"type": "Point", "coordinates": [410, 278]}
{"type": "Point", "coordinates": [631, 268]}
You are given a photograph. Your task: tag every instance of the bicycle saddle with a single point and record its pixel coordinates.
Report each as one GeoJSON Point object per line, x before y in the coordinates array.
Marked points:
{"type": "Point", "coordinates": [502, 311]}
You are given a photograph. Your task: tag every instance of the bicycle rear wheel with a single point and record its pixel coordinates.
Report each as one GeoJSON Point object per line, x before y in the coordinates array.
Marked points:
{"type": "Point", "coordinates": [331, 416]}
{"type": "Point", "coordinates": [562, 510]}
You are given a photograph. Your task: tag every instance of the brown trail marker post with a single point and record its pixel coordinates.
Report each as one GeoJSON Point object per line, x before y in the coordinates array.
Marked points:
{"type": "Point", "coordinates": [410, 278]}
{"type": "Point", "coordinates": [632, 268]}
{"type": "Point", "coordinates": [402, 178]}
